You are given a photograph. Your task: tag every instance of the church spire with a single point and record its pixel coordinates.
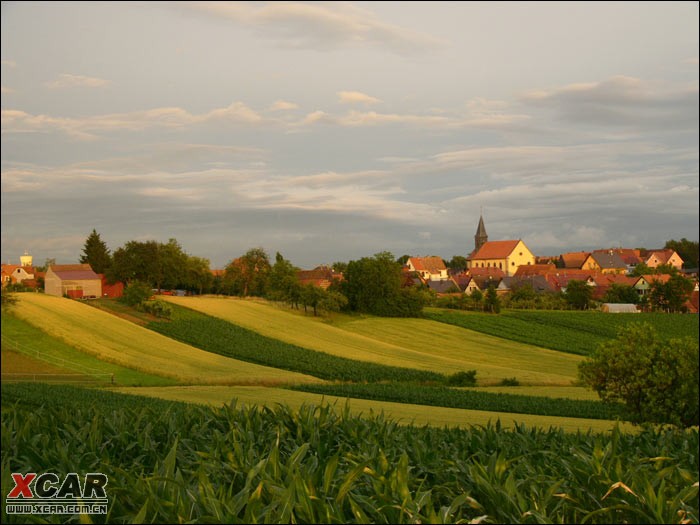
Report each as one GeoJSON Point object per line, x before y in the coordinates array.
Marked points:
{"type": "Point", "coordinates": [481, 237]}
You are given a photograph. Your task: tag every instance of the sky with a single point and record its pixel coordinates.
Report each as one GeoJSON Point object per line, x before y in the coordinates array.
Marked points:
{"type": "Point", "coordinates": [331, 131]}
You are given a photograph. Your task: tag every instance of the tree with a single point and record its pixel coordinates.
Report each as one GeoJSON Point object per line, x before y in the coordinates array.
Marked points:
{"type": "Point", "coordinates": [578, 294]}
{"type": "Point", "coordinates": [687, 250]}
{"type": "Point", "coordinates": [283, 283]}
{"type": "Point", "coordinates": [656, 380]}
{"type": "Point", "coordinates": [373, 285]}
{"type": "Point", "coordinates": [8, 299]}
{"type": "Point", "coordinates": [96, 253]}
{"type": "Point", "coordinates": [492, 303]}
{"type": "Point", "coordinates": [621, 293]}
{"type": "Point", "coordinates": [198, 276]}
{"type": "Point", "coordinates": [458, 263]}
{"type": "Point", "coordinates": [248, 274]}
{"type": "Point", "coordinates": [671, 295]}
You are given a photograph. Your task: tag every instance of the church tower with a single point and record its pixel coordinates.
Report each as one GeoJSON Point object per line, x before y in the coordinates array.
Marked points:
{"type": "Point", "coordinates": [481, 237]}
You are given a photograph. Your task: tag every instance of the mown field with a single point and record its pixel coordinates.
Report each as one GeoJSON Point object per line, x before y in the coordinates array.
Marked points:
{"type": "Point", "coordinates": [170, 462]}
{"type": "Point", "coordinates": [407, 343]}
{"type": "Point", "coordinates": [575, 332]}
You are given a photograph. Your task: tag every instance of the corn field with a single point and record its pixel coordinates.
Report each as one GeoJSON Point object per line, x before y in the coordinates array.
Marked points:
{"type": "Point", "coordinates": [171, 463]}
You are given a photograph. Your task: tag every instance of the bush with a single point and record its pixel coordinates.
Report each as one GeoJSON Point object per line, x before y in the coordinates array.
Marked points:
{"type": "Point", "coordinates": [136, 292]}
{"type": "Point", "coordinates": [467, 378]}
{"type": "Point", "coordinates": [158, 308]}
{"type": "Point", "coordinates": [509, 381]}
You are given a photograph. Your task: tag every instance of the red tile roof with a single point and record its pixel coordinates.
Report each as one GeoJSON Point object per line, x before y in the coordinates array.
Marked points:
{"type": "Point", "coordinates": [535, 269]}
{"type": "Point", "coordinates": [428, 264]}
{"type": "Point", "coordinates": [496, 250]}
{"type": "Point", "coordinates": [574, 259]}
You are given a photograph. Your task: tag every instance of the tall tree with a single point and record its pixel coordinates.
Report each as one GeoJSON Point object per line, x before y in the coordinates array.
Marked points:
{"type": "Point", "coordinates": [283, 281]}
{"type": "Point", "coordinates": [578, 294]}
{"type": "Point", "coordinates": [492, 303]}
{"type": "Point", "coordinates": [248, 274]}
{"type": "Point", "coordinates": [96, 253]}
{"type": "Point", "coordinates": [671, 295]}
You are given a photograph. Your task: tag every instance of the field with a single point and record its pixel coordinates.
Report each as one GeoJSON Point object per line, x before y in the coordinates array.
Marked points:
{"type": "Point", "coordinates": [118, 341]}
{"type": "Point", "coordinates": [220, 431]}
{"type": "Point", "coordinates": [575, 332]}
{"type": "Point", "coordinates": [409, 343]}
{"type": "Point", "coordinates": [172, 463]}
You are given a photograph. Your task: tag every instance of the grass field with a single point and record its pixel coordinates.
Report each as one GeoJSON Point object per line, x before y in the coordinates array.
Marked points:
{"type": "Point", "coordinates": [121, 342]}
{"type": "Point", "coordinates": [29, 340]}
{"type": "Point", "coordinates": [404, 413]}
{"type": "Point", "coordinates": [398, 342]}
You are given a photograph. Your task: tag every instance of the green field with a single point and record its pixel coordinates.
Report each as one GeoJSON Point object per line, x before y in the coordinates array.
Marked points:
{"type": "Point", "coordinates": [118, 341]}
{"type": "Point", "coordinates": [410, 343]}
{"type": "Point", "coordinates": [566, 331]}
{"type": "Point", "coordinates": [175, 463]}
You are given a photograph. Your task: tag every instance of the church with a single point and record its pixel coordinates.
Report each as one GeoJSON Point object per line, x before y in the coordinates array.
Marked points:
{"type": "Point", "coordinates": [504, 255]}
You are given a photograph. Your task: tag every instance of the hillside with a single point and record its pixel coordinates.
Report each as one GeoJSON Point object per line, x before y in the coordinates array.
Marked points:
{"type": "Point", "coordinates": [411, 343]}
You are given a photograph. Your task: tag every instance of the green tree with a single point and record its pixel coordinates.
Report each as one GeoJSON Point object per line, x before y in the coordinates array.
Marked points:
{"type": "Point", "coordinates": [621, 293]}
{"type": "Point", "coordinates": [96, 253]}
{"type": "Point", "coordinates": [578, 294]}
{"type": "Point", "coordinates": [373, 285]}
{"type": "Point", "coordinates": [248, 274]}
{"type": "Point", "coordinates": [458, 263]}
{"type": "Point", "coordinates": [687, 250]}
{"type": "Point", "coordinates": [657, 380]}
{"type": "Point", "coordinates": [9, 299]}
{"type": "Point", "coordinates": [198, 276]}
{"type": "Point", "coordinates": [492, 303]}
{"type": "Point", "coordinates": [283, 283]}
{"type": "Point", "coordinates": [671, 295]}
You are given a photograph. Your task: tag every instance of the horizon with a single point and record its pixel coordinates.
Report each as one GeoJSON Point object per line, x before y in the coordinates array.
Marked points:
{"type": "Point", "coordinates": [333, 131]}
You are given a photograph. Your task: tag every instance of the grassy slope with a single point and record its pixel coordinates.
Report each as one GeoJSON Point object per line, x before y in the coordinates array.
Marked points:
{"type": "Point", "coordinates": [398, 342]}
{"type": "Point", "coordinates": [30, 340]}
{"type": "Point", "coordinates": [121, 342]}
{"type": "Point", "coordinates": [404, 413]}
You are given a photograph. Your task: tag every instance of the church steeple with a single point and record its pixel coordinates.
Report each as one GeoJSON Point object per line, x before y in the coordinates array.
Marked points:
{"type": "Point", "coordinates": [481, 237]}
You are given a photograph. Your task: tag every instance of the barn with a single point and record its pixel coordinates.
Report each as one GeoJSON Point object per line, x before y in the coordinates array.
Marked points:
{"type": "Point", "coordinates": [74, 280]}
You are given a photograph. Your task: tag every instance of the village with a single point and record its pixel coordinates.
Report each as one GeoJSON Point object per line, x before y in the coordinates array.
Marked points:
{"type": "Point", "coordinates": [505, 265]}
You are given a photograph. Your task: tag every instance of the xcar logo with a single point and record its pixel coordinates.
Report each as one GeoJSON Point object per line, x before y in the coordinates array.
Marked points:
{"type": "Point", "coordinates": [46, 494]}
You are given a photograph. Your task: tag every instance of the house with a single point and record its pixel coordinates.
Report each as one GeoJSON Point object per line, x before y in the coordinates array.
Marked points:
{"type": "Point", "coordinates": [16, 274]}
{"type": "Point", "coordinates": [656, 258]}
{"type": "Point", "coordinates": [447, 286]}
{"type": "Point", "coordinates": [114, 291]}
{"type": "Point", "coordinates": [466, 283]}
{"type": "Point", "coordinates": [504, 255]}
{"type": "Point", "coordinates": [539, 283]}
{"type": "Point", "coordinates": [429, 268]}
{"type": "Point", "coordinates": [485, 277]}
{"type": "Point", "coordinates": [645, 282]}
{"type": "Point", "coordinates": [321, 276]}
{"type": "Point", "coordinates": [605, 262]}
{"type": "Point", "coordinates": [573, 260]}
{"type": "Point", "coordinates": [74, 280]}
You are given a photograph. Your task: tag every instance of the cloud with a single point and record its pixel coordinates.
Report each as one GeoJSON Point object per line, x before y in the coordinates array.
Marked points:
{"type": "Point", "coordinates": [320, 26]}
{"type": "Point", "coordinates": [356, 97]}
{"type": "Point", "coordinates": [622, 101]}
{"type": "Point", "coordinates": [283, 105]}
{"type": "Point", "coordinates": [66, 80]}
{"type": "Point", "coordinates": [174, 118]}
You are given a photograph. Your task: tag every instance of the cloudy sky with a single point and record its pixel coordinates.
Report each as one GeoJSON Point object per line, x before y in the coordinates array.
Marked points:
{"type": "Point", "coordinates": [332, 131]}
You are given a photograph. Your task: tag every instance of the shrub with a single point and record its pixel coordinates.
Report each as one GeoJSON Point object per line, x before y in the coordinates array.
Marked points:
{"type": "Point", "coordinates": [136, 292]}
{"type": "Point", "coordinates": [467, 378]}
{"type": "Point", "coordinates": [509, 381]}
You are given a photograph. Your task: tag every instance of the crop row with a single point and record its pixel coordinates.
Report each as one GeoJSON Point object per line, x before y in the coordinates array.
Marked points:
{"type": "Point", "coordinates": [573, 332]}
{"type": "Point", "coordinates": [227, 339]}
{"type": "Point", "coordinates": [441, 396]}
{"type": "Point", "coordinates": [244, 465]}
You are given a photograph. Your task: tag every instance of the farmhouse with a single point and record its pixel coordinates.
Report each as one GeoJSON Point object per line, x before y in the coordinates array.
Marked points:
{"type": "Point", "coordinates": [429, 268]}
{"type": "Point", "coordinates": [73, 280]}
{"type": "Point", "coordinates": [605, 262]}
{"type": "Point", "coordinates": [658, 257]}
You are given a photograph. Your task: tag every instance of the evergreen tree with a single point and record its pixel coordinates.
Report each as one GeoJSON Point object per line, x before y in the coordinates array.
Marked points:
{"type": "Point", "coordinates": [96, 253]}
